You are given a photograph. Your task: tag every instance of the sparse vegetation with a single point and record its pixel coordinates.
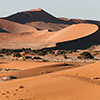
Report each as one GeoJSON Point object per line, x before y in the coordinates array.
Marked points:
{"type": "Point", "coordinates": [28, 57]}
{"type": "Point", "coordinates": [16, 54]}
{"type": "Point", "coordinates": [37, 58]}
{"type": "Point", "coordinates": [1, 55]}
{"type": "Point", "coordinates": [85, 55]}
{"type": "Point", "coordinates": [40, 52]}
{"type": "Point", "coordinates": [27, 53]}
{"type": "Point", "coordinates": [65, 57]}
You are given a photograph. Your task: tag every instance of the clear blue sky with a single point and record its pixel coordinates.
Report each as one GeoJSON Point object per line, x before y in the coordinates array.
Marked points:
{"type": "Point", "coordinates": [82, 9]}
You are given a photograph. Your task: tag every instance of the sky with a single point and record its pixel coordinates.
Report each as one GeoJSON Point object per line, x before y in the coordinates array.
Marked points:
{"type": "Point", "coordinates": [80, 9]}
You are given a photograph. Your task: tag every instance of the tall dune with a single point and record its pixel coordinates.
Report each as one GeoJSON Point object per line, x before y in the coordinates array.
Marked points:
{"type": "Point", "coordinates": [33, 16]}
{"type": "Point", "coordinates": [42, 39]}
{"type": "Point", "coordinates": [72, 32]}
{"type": "Point", "coordinates": [39, 19]}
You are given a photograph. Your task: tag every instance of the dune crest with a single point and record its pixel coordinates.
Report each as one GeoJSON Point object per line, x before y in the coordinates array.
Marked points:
{"type": "Point", "coordinates": [39, 9]}
{"type": "Point", "coordinates": [73, 32]}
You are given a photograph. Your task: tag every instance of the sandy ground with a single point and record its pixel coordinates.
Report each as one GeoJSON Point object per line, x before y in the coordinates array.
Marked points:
{"type": "Point", "coordinates": [34, 68]}
{"type": "Point", "coordinates": [66, 82]}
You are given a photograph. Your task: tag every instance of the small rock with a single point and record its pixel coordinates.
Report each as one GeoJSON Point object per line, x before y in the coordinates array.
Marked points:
{"type": "Point", "coordinates": [20, 87]}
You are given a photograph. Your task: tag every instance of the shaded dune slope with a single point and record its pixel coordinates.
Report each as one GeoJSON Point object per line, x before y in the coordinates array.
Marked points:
{"type": "Point", "coordinates": [93, 22]}
{"type": "Point", "coordinates": [40, 25]}
{"type": "Point", "coordinates": [82, 43]}
{"type": "Point", "coordinates": [73, 21]}
{"type": "Point", "coordinates": [33, 69]}
{"type": "Point", "coordinates": [13, 27]}
{"type": "Point", "coordinates": [72, 32]}
{"type": "Point", "coordinates": [34, 15]}
{"type": "Point", "coordinates": [39, 19]}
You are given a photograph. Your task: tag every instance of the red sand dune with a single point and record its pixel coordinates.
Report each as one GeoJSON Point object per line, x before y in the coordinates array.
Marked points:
{"type": "Point", "coordinates": [70, 33]}
{"type": "Point", "coordinates": [42, 39]}
{"type": "Point", "coordinates": [74, 32]}
{"type": "Point", "coordinates": [13, 27]}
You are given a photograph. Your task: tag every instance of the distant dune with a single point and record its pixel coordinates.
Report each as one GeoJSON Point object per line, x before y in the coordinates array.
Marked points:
{"type": "Point", "coordinates": [38, 17]}
{"type": "Point", "coordinates": [13, 27]}
{"type": "Point", "coordinates": [33, 16]}
{"type": "Point", "coordinates": [74, 21]}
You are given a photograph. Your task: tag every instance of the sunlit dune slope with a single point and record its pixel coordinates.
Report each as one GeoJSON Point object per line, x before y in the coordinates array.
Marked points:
{"type": "Point", "coordinates": [13, 27]}
{"type": "Point", "coordinates": [77, 84]}
{"type": "Point", "coordinates": [44, 38]}
{"type": "Point", "coordinates": [90, 71]}
{"type": "Point", "coordinates": [72, 32]}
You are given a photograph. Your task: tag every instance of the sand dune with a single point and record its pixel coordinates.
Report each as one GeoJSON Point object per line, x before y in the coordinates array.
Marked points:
{"type": "Point", "coordinates": [40, 25]}
{"type": "Point", "coordinates": [44, 38]}
{"type": "Point", "coordinates": [39, 19]}
{"type": "Point", "coordinates": [34, 15]}
{"type": "Point", "coordinates": [13, 27]}
{"type": "Point", "coordinates": [61, 85]}
{"type": "Point", "coordinates": [89, 71]}
{"type": "Point", "coordinates": [76, 36]}
{"type": "Point", "coordinates": [74, 32]}
{"type": "Point", "coordinates": [34, 69]}
{"type": "Point", "coordinates": [70, 33]}
{"type": "Point", "coordinates": [74, 21]}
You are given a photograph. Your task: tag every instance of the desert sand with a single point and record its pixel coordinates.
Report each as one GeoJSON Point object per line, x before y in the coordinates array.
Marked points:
{"type": "Point", "coordinates": [77, 83]}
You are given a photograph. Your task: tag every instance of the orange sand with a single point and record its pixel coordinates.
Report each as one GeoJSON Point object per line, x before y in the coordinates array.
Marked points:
{"type": "Point", "coordinates": [61, 85]}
